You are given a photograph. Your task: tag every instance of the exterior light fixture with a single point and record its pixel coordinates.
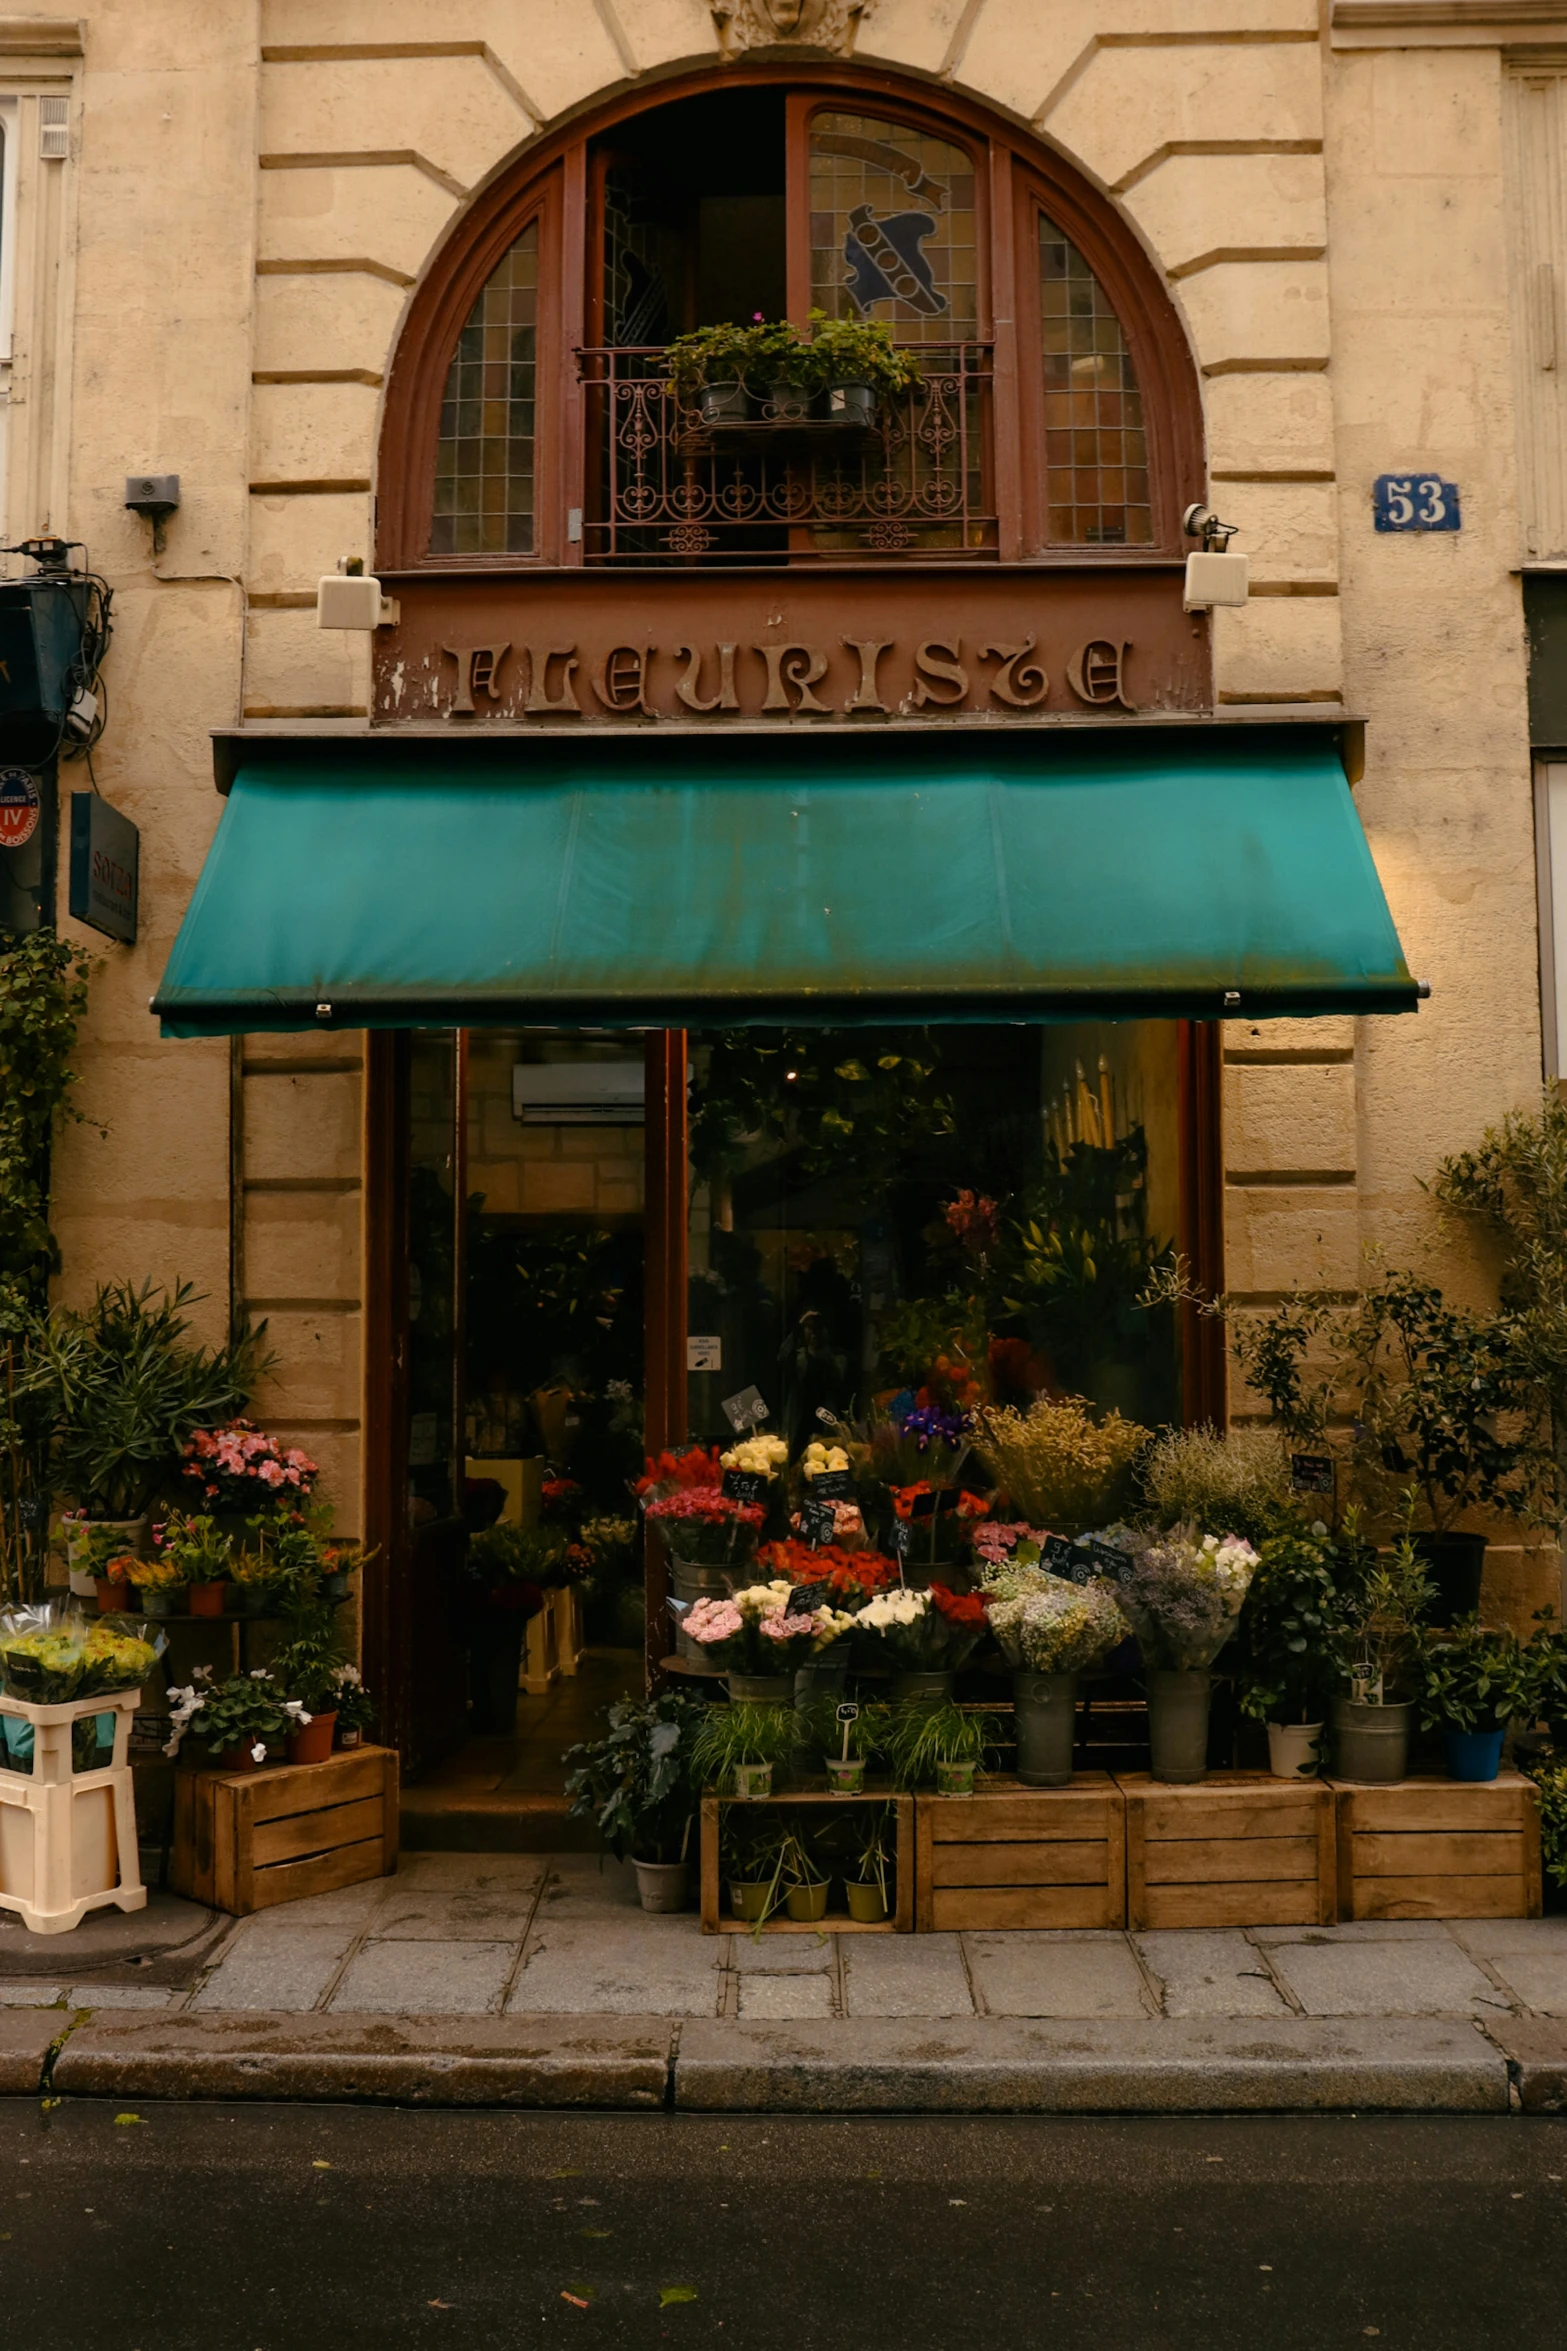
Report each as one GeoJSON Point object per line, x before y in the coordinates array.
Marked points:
{"type": "Point", "coordinates": [351, 598]}
{"type": "Point", "coordinates": [1215, 576]}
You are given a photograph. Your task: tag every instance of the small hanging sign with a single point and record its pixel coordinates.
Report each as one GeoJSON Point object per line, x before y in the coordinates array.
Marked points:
{"type": "Point", "coordinates": [1311, 1473]}
{"type": "Point", "coordinates": [831, 1485]}
{"type": "Point", "coordinates": [745, 1410]}
{"type": "Point", "coordinates": [105, 865]}
{"type": "Point", "coordinates": [19, 808]}
{"type": "Point", "coordinates": [818, 1522]}
{"type": "Point", "coordinates": [744, 1485]}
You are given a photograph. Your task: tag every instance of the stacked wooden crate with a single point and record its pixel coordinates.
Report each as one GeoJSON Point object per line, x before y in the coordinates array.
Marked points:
{"type": "Point", "coordinates": [1011, 1856]}
{"type": "Point", "coordinates": [1439, 1848]}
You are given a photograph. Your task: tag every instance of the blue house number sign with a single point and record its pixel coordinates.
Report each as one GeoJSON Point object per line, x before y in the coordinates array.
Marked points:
{"type": "Point", "coordinates": [1415, 502]}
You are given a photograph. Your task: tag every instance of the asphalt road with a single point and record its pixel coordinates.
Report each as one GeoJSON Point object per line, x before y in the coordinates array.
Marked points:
{"type": "Point", "coordinates": [300, 2228]}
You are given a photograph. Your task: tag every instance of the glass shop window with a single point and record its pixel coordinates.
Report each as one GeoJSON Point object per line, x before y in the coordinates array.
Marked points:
{"type": "Point", "coordinates": [484, 470]}
{"type": "Point", "coordinates": [950, 1216]}
{"type": "Point", "coordinates": [1096, 448]}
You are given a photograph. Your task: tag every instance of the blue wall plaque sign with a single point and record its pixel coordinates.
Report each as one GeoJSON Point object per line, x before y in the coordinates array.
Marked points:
{"type": "Point", "coordinates": [1415, 502]}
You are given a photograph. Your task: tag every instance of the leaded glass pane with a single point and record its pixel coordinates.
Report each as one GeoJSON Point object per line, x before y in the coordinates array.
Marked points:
{"type": "Point", "coordinates": [484, 455]}
{"type": "Point", "coordinates": [893, 228]}
{"type": "Point", "coordinates": [1096, 450]}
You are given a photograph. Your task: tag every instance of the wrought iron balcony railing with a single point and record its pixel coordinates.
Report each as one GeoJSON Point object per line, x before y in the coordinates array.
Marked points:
{"type": "Point", "coordinates": [666, 486]}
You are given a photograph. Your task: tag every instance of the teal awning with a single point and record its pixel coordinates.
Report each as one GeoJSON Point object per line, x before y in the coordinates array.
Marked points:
{"type": "Point", "coordinates": [667, 882]}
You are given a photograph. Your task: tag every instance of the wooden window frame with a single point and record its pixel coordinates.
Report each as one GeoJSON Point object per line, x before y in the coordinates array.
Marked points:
{"type": "Point", "coordinates": [1016, 178]}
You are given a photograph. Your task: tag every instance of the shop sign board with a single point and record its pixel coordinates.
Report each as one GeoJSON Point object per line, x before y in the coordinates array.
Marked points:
{"type": "Point", "coordinates": [105, 863]}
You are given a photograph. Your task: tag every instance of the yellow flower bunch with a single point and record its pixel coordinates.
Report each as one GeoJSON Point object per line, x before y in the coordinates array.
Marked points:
{"type": "Point", "coordinates": [1061, 1467]}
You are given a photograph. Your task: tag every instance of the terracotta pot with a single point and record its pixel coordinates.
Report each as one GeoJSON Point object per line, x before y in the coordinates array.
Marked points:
{"type": "Point", "coordinates": [312, 1741]}
{"type": "Point", "coordinates": [112, 1597]}
{"type": "Point", "coordinates": [206, 1599]}
{"type": "Point", "coordinates": [237, 1759]}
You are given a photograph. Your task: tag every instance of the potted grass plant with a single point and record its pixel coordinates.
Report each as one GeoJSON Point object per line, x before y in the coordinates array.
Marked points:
{"type": "Point", "coordinates": [1183, 1591]}
{"type": "Point", "coordinates": [1049, 1632]}
{"type": "Point", "coordinates": [638, 1786]}
{"type": "Point", "coordinates": [868, 1876]}
{"type": "Point", "coordinates": [941, 1744]}
{"type": "Point", "coordinates": [739, 1748]}
{"type": "Point", "coordinates": [751, 1850]}
{"type": "Point", "coordinates": [806, 1879]}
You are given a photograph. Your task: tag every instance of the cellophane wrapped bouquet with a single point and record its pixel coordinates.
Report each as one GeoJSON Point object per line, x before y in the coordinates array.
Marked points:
{"type": "Point", "coordinates": [51, 1654]}
{"type": "Point", "coordinates": [759, 1630]}
{"type": "Point", "coordinates": [932, 1631]}
{"type": "Point", "coordinates": [1183, 1591]}
{"type": "Point", "coordinates": [1045, 1624]}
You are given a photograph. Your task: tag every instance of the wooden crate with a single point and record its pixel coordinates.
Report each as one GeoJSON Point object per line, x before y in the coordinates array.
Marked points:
{"type": "Point", "coordinates": [1439, 1848]}
{"type": "Point", "coordinates": [246, 1839]}
{"type": "Point", "coordinates": [715, 1920]}
{"type": "Point", "coordinates": [1238, 1849]}
{"type": "Point", "coordinates": [1011, 1856]}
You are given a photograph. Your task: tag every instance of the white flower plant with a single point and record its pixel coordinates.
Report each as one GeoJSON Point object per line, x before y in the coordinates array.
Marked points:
{"type": "Point", "coordinates": [248, 1711]}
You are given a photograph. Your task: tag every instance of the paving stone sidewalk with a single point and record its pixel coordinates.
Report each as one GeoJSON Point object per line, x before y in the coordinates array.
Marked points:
{"type": "Point", "coordinates": [536, 1936]}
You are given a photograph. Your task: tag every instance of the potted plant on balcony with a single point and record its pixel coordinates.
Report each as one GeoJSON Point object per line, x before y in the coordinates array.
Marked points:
{"type": "Point", "coordinates": [857, 364]}
{"type": "Point", "coordinates": [637, 1787]}
{"type": "Point", "coordinates": [710, 371]}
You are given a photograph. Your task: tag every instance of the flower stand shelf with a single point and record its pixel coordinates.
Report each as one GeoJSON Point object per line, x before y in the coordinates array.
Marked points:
{"type": "Point", "coordinates": [1238, 1849]}
{"type": "Point", "coordinates": [1011, 1856]}
{"type": "Point", "coordinates": [246, 1839]}
{"type": "Point", "coordinates": [1439, 1848]}
{"type": "Point", "coordinates": [541, 1650]}
{"type": "Point", "coordinates": [715, 1910]}
{"type": "Point", "coordinates": [68, 1837]}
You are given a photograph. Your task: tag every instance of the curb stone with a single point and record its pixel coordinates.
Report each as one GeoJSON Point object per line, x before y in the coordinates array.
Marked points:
{"type": "Point", "coordinates": [27, 2035]}
{"type": "Point", "coordinates": [1536, 2049]}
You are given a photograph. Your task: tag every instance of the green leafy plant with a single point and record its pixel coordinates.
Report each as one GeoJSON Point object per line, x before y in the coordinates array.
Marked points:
{"type": "Point", "coordinates": [638, 1785]}
{"type": "Point", "coordinates": [872, 1849]}
{"type": "Point", "coordinates": [1545, 1677]}
{"type": "Point", "coordinates": [1292, 1629]}
{"type": "Point", "coordinates": [917, 1738]}
{"type": "Point", "coordinates": [1471, 1678]}
{"type": "Point", "coordinates": [123, 1387]}
{"type": "Point", "coordinates": [860, 351]}
{"type": "Point", "coordinates": [196, 1546]}
{"type": "Point", "coordinates": [353, 1702]}
{"type": "Point", "coordinates": [1550, 1777]}
{"type": "Point", "coordinates": [43, 994]}
{"type": "Point", "coordinates": [742, 1734]}
{"type": "Point", "coordinates": [248, 1713]}
{"type": "Point", "coordinates": [532, 1555]}
{"type": "Point", "coordinates": [1385, 1598]}
{"type": "Point", "coordinates": [305, 1666]}
{"type": "Point", "coordinates": [725, 354]}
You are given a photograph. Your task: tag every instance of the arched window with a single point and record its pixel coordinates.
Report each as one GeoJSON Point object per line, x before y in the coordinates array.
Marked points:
{"type": "Point", "coordinates": [530, 414]}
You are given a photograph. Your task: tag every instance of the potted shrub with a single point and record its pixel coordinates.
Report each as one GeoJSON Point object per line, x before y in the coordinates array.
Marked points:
{"type": "Point", "coordinates": [305, 1670]}
{"type": "Point", "coordinates": [1293, 1628]}
{"type": "Point", "coordinates": [942, 1744]}
{"type": "Point", "coordinates": [239, 1722]}
{"type": "Point", "coordinates": [758, 1638]}
{"type": "Point", "coordinates": [709, 371]}
{"type": "Point", "coordinates": [857, 364]}
{"type": "Point", "coordinates": [1049, 1631]}
{"type": "Point", "coordinates": [1369, 1727]}
{"type": "Point", "coordinates": [1183, 1591]}
{"type": "Point", "coordinates": [121, 1388]}
{"type": "Point", "coordinates": [1238, 1479]}
{"type": "Point", "coordinates": [638, 1786]}
{"type": "Point", "coordinates": [924, 1635]}
{"type": "Point", "coordinates": [1472, 1683]}
{"type": "Point", "coordinates": [738, 1748]}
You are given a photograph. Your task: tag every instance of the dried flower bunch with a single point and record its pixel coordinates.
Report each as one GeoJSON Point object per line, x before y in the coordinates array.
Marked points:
{"type": "Point", "coordinates": [1061, 1467]}
{"type": "Point", "coordinates": [1204, 1477]}
{"type": "Point", "coordinates": [1183, 1592]}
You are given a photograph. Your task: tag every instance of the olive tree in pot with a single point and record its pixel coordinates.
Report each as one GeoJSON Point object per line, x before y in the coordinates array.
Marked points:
{"type": "Point", "coordinates": [1292, 1632]}
{"type": "Point", "coordinates": [638, 1785]}
{"type": "Point", "coordinates": [1385, 1599]}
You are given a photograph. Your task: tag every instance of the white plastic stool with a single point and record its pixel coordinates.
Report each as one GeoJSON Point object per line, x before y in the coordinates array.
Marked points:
{"type": "Point", "coordinates": [68, 1838]}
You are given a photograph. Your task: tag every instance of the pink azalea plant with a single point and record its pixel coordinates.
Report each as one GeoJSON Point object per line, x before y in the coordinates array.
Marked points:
{"type": "Point", "coordinates": [241, 1468]}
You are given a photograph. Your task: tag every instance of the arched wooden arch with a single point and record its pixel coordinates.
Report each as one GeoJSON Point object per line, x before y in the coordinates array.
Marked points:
{"type": "Point", "coordinates": [1018, 176]}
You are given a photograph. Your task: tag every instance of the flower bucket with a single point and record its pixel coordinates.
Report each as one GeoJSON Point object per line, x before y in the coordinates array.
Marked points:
{"type": "Point", "coordinates": [807, 1905]}
{"type": "Point", "coordinates": [748, 1899]}
{"type": "Point", "coordinates": [954, 1779]}
{"type": "Point", "coordinates": [1473, 1755]}
{"type": "Point", "coordinates": [1370, 1742]}
{"type": "Point", "coordinates": [921, 1689]}
{"type": "Point", "coordinates": [1178, 1726]}
{"type": "Point", "coordinates": [157, 1603]}
{"type": "Point", "coordinates": [846, 1779]}
{"type": "Point", "coordinates": [1044, 1714]}
{"type": "Point", "coordinates": [662, 1885]}
{"type": "Point", "coordinates": [867, 1903]}
{"type": "Point", "coordinates": [753, 1781]}
{"type": "Point", "coordinates": [312, 1741]}
{"type": "Point", "coordinates": [761, 1689]}
{"type": "Point", "coordinates": [1294, 1750]}
{"type": "Point", "coordinates": [205, 1599]}
{"type": "Point", "coordinates": [691, 1580]}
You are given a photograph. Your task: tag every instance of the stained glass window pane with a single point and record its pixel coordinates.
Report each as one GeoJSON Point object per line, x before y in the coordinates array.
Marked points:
{"type": "Point", "coordinates": [1096, 450]}
{"type": "Point", "coordinates": [484, 455]}
{"type": "Point", "coordinates": [893, 228]}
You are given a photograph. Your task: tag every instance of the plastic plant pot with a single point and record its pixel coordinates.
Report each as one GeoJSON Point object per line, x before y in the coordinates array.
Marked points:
{"type": "Point", "coordinates": [335, 1585]}
{"type": "Point", "coordinates": [807, 1905]}
{"type": "Point", "coordinates": [237, 1759]}
{"type": "Point", "coordinates": [1370, 1742]}
{"type": "Point", "coordinates": [867, 1903]}
{"type": "Point", "coordinates": [312, 1741]}
{"type": "Point", "coordinates": [787, 403]}
{"type": "Point", "coordinates": [852, 404]}
{"type": "Point", "coordinates": [723, 403]}
{"type": "Point", "coordinates": [753, 1781]}
{"type": "Point", "coordinates": [206, 1599]}
{"type": "Point", "coordinates": [1044, 1714]}
{"type": "Point", "coordinates": [348, 1739]}
{"type": "Point", "coordinates": [662, 1885]}
{"type": "Point", "coordinates": [954, 1779]}
{"type": "Point", "coordinates": [1178, 1726]}
{"type": "Point", "coordinates": [846, 1778]}
{"type": "Point", "coordinates": [1473, 1755]}
{"type": "Point", "coordinates": [1294, 1750]}
{"type": "Point", "coordinates": [748, 1899]}
{"type": "Point", "coordinates": [111, 1596]}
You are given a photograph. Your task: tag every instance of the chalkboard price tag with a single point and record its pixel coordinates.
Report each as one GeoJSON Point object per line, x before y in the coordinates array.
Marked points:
{"type": "Point", "coordinates": [1105, 1559]}
{"type": "Point", "coordinates": [744, 1485]}
{"type": "Point", "coordinates": [1311, 1473]}
{"type": "Point", "coordinates": [1059, 1556]}
{"type": "Point", "coordinates": [805, 1598]}
{"type": "Point", "coordinates": [831, 1485]}
{"type": "Point", "coordinates": [746, 1410]}
{"type": "Point", "coordinates": [818, 1521]}
{"type": "Point", "coordinates": [902, 1538]}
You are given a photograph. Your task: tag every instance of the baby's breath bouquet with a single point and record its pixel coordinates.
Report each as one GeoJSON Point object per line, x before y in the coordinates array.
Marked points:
{"type": "Point", "coordinates": [1183, 1592]}
{"type": "Point", "coordinates": [1060, 1466]}
{"type": "Point", "coordinates": [1053, 1626]}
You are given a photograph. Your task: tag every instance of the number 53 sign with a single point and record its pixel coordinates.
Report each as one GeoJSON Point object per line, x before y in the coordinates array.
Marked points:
{"type": "Point", "coordinates": [1415, 502]}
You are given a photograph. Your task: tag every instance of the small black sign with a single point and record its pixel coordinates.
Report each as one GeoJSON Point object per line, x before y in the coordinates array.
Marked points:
{"type": "Point", "coordinates": [744, 1485]}
{"type": "Point", "coordinates": [745, 1410]}
{"type": "Point", "coordinates": [902, 1538]}
{"type": "Point", "coordinates": [1105, 1559]}
{"type": "Point", "coordinates": [818, 1522]}
{"type": "Point", "coordinates": [1311, 1473]}
{"type": "Point", "coordinates": [831, 1485]}
{"type": "Point", "coordinates": [1059, 1556]}
{"type": "Point", "coordinates": [806, 1598]}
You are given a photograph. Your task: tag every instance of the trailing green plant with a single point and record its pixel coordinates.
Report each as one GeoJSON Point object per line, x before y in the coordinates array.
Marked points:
{"type": "Point", "coordinates": [919, 1737]}
{"type": "Point", "coordinates": [1236, 1481]}
{"type": "Point", "coordinates": [638, 1785]}
{"type": "Point", "coordinates": [122, 1387]}
{"type": "Point", "coordinates": [861, 351]}
{"type": "Point", "coordinates": [724, 354]}
{"type": "Point", "coordinates": [1471, 1678]}
{"type": "Point", "coordinates": [1293, 1627]}
{"type": "Point", "coordinates": [43, 994]}
{"type": "Point", "coordinates": [742, 1734]}
{"type": "Point", "coordinates": [1549, 1775]}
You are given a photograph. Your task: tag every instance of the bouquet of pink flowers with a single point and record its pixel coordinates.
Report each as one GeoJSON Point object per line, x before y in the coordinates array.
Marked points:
{"type": "Point", "coordinates": [241, 1468]}
{"type": "Point", "coordinates": [705, 1526]}
{"type": "Point", "coordinates": [760, 1631]}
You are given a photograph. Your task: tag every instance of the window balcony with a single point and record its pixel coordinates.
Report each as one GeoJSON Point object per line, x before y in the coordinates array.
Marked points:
{"type": "Point", "coordinates": [664, 486]}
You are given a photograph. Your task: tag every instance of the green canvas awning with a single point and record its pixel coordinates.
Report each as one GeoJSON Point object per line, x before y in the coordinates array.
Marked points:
{"type": "Point", "coordinates": [641, 881]}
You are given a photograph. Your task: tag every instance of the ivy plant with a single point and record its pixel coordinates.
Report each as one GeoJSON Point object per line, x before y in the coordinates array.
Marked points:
{"type": "Point", "coordinates": [43, 994]}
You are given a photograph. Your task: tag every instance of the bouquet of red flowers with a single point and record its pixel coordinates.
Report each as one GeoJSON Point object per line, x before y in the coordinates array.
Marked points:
{"type": "Point", "coordinates": [705, 1526]}
{"type": "Point", "coordinates": [852, 1576]}
{"type": "Point", "coordinates": [671, 1473]}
